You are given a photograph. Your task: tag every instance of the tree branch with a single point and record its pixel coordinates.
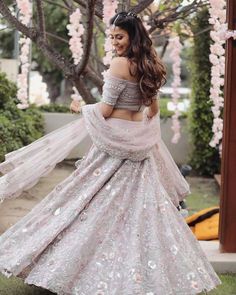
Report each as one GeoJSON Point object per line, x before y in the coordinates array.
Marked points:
{"type": "Point", "coordinates": [57, 4]}
{"type": "Point", "coordinates": [57, 37]}
{"type": "Point", "coordinates": [161, 19]}
{"type": "Point", "coordinates": [6, 13]}
{"type": "Point", "coordinates": [98, 11]}
{"type": "Point", "coordinates": [164, 48]}
{"type": "Point", "coordinates": [88, 36]}
{"type": "Point", "coordinates": [69, 5]}
{"type": "Point", "coordinates": [84, 92]}
{"type": "Point", "coordinates": [40, 16]}
{"type": "Point", "coordinates": [141, 6]}
{"type": "Point", "coordinates": [56, 58]}
{"type": "Point", "coordinates": [94, 78]}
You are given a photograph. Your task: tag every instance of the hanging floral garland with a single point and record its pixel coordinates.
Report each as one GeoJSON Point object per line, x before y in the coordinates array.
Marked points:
{"type": "Point", "coordinates": [25, 15]}
{"type": "Point", "coordinates": [217, 58]}
{"type": "Point", "coordinates": [175, 47]}
{"type": "Point", "coordinates": [219, 35]}
{"type": "Point", "coordinates": [109, 8]}
{"type": "Point", "coordinates": [76, 31]}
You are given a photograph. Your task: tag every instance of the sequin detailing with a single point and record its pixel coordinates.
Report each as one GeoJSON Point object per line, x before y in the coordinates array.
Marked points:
{"type": "Point", "coordinates": [152, 264]}
{"type": "Point", "coordinates": [83, 216]}
{"type": "Point", "coordinates": [57, 211]}
{"type": "Point", "coordinates": [190, 276]}
{"type": "Point", "coordinates": [97, 172]}
{"type": "Point", "coordinates": [122, 93]}
{"type": "Point", "coordinates": [174, 249]}
{"type": "Point", "coordinates": [112, 227]}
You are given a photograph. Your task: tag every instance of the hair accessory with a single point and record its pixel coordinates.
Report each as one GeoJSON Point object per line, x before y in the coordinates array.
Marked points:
{"type": "Point", "coordinates": [114, 23]}
{"type": "Point", "coordinates": [132, 14]}
{"type": "Point", "coordinates": [123, 14]}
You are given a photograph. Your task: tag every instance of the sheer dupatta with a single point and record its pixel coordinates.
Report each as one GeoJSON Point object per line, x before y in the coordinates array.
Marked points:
{"type": "Point", "coordinates": [23, 168]}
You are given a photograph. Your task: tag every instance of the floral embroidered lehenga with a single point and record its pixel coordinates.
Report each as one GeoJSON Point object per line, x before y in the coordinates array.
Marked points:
{"type": "Point", "coordinates": [112, 226]}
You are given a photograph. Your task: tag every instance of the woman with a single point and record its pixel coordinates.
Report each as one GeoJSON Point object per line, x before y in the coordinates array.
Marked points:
{"type": "Point", "coordinates": [112, 227]}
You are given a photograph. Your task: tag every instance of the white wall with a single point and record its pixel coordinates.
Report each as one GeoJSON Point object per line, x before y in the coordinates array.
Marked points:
{"type": "Point", "coordinates": [10, 67]}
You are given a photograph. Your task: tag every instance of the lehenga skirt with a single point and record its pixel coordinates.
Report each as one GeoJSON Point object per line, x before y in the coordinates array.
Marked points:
{"type": "Point", "coordinates": [110, 228]}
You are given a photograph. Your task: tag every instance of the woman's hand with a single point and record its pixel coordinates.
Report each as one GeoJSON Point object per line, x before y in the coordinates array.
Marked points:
{"type": "Point", "coordinates": [75, 106]}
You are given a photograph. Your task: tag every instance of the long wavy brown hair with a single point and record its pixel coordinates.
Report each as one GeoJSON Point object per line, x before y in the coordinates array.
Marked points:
{"type": "Point", "coordinates": [148, 69]}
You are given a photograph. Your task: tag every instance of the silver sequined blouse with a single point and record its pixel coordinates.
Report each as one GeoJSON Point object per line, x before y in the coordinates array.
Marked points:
{"type": "Point", "coordinates": [121, 93]}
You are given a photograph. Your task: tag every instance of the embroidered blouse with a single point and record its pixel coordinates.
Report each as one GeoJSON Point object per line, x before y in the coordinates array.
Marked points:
{"type": "Point", "coordinates": [121, 93]}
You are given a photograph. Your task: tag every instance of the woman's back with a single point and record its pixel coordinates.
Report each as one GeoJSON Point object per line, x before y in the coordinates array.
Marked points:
{"type": "Point", "coordinates": [129, 105]}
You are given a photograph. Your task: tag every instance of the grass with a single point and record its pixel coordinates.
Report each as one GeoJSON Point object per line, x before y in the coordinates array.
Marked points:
{"type": "Point", "coordinates": [228, 286]}
{"type": "Point", "coordinates": [16, 286]}
{"type": "Point", "coordinates": [204, 194]}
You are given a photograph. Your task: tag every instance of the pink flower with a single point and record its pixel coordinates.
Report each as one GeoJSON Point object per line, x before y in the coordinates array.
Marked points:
{"type": "Point", "coordinates": [109, 8]}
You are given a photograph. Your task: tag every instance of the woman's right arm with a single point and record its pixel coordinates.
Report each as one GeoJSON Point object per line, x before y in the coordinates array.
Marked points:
{"type": "Point", "coordinates": [75, 106]}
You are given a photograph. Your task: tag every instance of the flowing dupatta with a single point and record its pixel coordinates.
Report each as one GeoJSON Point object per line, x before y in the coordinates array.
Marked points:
{"type": "Point", "coordinates": [142, 142]}
{"type": "Point", "coordinates": [24, 167]}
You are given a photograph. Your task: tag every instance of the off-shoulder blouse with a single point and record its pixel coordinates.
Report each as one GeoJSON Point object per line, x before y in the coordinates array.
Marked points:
{"type": "Point", "coordinates": [121, 93]}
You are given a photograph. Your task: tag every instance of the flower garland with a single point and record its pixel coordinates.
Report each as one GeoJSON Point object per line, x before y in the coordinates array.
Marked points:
{"type": "Point", "coordinates": [25, 10]}
{"type": "Point", "coordinates": [219, 35]}
{"type": "Point", "coordinates": [109, 8]}
{"type": "Point", "coordinates": [76, 31]}
{"type": "Point", "coordinates": [175, 47]}
{"type": "Point", "coordinates": [217, 58]}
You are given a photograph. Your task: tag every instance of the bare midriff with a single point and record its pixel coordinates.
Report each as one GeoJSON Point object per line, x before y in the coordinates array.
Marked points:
{"type": "Point", "coordinates": [127, 115]}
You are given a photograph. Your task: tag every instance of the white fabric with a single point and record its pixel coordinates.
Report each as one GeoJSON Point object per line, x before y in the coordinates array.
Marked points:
{"type": "Point", "coordinates": [24, 167]}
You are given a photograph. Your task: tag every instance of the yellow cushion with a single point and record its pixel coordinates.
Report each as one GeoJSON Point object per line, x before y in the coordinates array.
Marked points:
{"type": "Point", "coordinates": [206, 229]}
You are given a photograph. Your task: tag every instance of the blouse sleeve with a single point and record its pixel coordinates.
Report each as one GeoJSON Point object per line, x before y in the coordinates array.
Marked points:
{"type": "Point", "coordinates": [112, 89]}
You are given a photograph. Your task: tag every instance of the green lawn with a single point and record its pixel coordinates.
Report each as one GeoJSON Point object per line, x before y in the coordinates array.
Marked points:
{"type": "Point", "coordinates": [228, 286]}
{"type": "Point", "coordinates": [15, 286]}
{"type": "Point", "coordinates": [204, 194]}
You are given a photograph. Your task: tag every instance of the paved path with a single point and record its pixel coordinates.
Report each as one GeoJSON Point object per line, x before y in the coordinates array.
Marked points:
{"type": "Point", "coordinates": [13, 210]}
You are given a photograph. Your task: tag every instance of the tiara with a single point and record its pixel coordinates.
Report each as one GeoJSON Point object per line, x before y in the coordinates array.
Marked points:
{"type": "Point", "coordinates": [132, 14]}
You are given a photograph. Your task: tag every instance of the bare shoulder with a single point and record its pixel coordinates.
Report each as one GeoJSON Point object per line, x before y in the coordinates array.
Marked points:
{"type": "Point", "coordinates": [119, 67]}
